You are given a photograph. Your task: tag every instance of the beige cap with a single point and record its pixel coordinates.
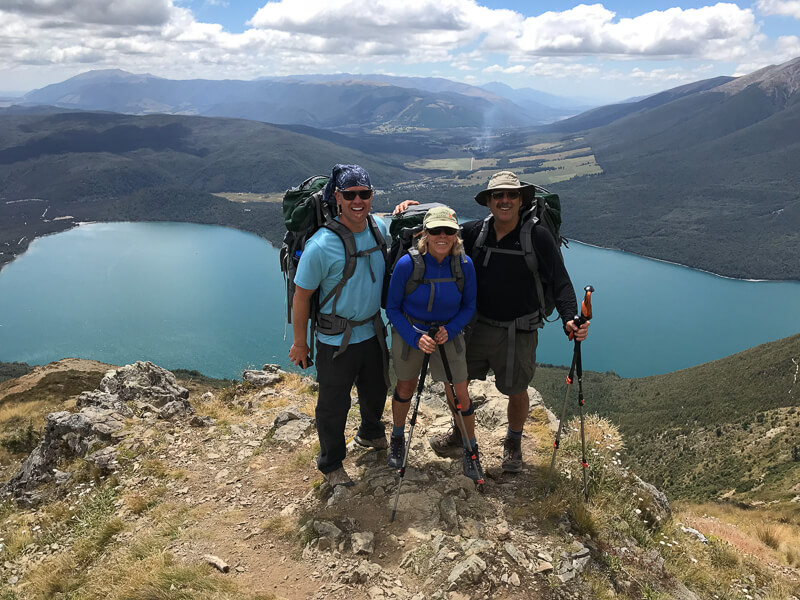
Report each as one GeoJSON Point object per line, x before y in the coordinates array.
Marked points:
{"type": "Point", "coordinates": [505, 180]}
{"type": "Point", "coordinates": [440, 216]}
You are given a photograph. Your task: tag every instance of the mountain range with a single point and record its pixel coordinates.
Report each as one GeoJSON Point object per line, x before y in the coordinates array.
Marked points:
{"type": "Point", "coordinates": [363, 102]}
{"type": "Point", "coordinates": [703, 174]}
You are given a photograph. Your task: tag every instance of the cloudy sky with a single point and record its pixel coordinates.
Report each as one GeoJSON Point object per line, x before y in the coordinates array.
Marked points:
{"type": "Point", "coordinates": [605, 51]}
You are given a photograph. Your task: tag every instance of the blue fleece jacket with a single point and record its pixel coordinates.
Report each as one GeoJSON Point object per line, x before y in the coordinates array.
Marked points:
{"type": "Point", "coordinates": [451, 307]}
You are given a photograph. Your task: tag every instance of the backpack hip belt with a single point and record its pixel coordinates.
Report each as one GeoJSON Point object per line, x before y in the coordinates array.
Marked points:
{"type": "Point", "coordinates": [529, 322]}
{"type": "Point", "coordinates": [329, 324]}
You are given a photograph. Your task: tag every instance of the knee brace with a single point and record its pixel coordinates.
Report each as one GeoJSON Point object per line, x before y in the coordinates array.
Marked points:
{"type": "Point", "coordinates": [469, 411]}
{"type": "Point", "coordinates": [397, 398]}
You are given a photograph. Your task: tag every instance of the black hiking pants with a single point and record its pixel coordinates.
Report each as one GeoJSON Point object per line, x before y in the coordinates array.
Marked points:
{"type": "Point", "coordinates": [360, 364]}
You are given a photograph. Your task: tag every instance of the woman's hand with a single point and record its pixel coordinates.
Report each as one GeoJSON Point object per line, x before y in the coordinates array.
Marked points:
{"type": "Point", "coordinates": [426, 344]}
{"type": "Point", "coordinates": [441, 336]}
{"type": "Point", "coordinates": [299, 355]}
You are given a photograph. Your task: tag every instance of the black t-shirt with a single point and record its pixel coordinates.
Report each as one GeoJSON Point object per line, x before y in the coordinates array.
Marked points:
{"type": "Point", "coordinates": [506, 287]}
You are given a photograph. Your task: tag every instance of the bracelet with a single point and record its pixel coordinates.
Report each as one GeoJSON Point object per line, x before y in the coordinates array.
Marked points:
{"type": "Point", "coordinates": [296, 346]}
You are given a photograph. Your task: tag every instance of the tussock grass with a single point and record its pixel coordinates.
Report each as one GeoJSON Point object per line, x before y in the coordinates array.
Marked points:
{"type": "Point", "coordinates": [770, 534]}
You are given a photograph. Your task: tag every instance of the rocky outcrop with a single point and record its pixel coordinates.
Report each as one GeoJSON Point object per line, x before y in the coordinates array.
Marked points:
{"type": "Point", "coordinates": [141, 389]}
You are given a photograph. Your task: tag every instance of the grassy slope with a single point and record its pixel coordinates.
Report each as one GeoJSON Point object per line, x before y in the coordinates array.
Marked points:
{"type": "Point", "coordinates": [700, 432]}
{"type": "Point", "coordinates": [704, 180]}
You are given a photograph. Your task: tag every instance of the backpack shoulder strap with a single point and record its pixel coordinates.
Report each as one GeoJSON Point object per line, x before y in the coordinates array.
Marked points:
{"type": "Point", "coordinates": [480, 241]}
{"type": "Point", "coordinates": [457, 270]}
{"type": "Point", "coordinates": [379, 237]}
{"type": "Point", "coordinates": [349, 243]}
{"type": "Point", "coordinates": [529, 221]}
{"type": "Point", "coordinates": [418, 271]}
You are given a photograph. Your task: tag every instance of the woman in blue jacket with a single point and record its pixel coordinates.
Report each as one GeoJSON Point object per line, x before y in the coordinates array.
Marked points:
{"type": "Point", "coordinates": [439, 299]}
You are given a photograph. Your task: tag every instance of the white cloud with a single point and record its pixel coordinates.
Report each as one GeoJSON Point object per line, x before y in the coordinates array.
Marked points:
{"type": "Point", "coordinates": [547, 68]}
{"type": "Point", "coordinates": [787, 8]}
{"type": "Point", "coordinates": [295, 36]}
{"type": "Point", "coordinates": [111, 12]}
{"type": "Point", "coordinates": [722, 31]}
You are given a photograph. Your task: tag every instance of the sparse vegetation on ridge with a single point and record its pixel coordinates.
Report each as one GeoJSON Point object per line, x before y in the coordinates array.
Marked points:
{"type": "Point", "coordinates": [183, 493]}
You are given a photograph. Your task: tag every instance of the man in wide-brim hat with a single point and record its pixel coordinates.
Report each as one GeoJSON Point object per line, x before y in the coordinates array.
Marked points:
{"type": "Point", "coordinates": [505, 335]}
{"type": "Point", "coordinates": [506, 180]}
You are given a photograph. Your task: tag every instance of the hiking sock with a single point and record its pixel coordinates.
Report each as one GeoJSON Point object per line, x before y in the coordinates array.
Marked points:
{"type": "Point", "coordinates": [472, 443]}
{"type": "Point", "coordinates": [513, 435]}
{"type": "Point", "coordinates": [398, 431]}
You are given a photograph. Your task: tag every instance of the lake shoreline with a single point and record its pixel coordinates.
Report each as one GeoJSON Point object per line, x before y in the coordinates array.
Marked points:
{"type": "Point", "coordinates": [276, 244]}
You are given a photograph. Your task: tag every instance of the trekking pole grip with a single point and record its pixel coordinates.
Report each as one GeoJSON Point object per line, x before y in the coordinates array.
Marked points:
{"type": "Point", "coordinates": [586, 310]}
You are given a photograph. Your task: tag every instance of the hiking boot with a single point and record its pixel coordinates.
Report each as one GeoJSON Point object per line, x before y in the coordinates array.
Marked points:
{"type": "Point", "coordinates": [512, 455]}
{"type": "Point", "coordinates": [338, 477]}
{"type": "Point", "coordinates": [378, 443]}
{"type": "Point", "coordinates": [448, 444]}
{"type": "Point", "coordinates": [473, 469]}
{"type": "Point", "coordinates": [397, 448]}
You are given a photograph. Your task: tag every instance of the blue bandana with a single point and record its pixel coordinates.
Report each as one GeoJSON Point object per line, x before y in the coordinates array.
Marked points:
{"type": "Point", "coordinates": [343, 177]}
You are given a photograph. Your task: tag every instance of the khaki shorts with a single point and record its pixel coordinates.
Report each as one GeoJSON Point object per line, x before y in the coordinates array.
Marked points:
{"type": "Point", "coordinates": [487, 349]}
{"type": "Point", "coordinates": [410, 367]}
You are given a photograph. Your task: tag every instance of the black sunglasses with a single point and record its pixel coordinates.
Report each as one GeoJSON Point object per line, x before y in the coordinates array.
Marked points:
{"type": "Point", "coordinates": [510, 194]}
{"type": "Point", "coordinates": [441, 230]}
{"type": "Point", "coordinates": [350, 196]}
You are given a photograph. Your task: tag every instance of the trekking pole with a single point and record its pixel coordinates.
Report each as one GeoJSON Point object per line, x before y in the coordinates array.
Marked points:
{"type": "Point", "coordinates": [473, 456]}
{"type": "Point", "coordinates": [423, 371]}
{"type": "Point", "coordinates": [586, 314]}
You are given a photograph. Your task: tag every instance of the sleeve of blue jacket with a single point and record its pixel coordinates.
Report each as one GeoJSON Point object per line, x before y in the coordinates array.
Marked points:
{"type": "Point", "coordinates": [394, 301]}
{"type": "Point", "coordinates": [468, 300]}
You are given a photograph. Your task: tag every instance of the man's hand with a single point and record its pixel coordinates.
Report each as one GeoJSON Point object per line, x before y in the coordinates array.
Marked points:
{"type": "Point", "coordinates": [403, 206]}
{"type": "Point", "coordinates": [578, 333]}
{"type": "Point", "coordinates": [299, 355]}
{"type": "Point", "coordinates": [441, 336]}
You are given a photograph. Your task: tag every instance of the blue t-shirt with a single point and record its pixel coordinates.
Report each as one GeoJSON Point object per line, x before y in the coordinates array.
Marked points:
{"type": "Point", "coordinates": [449, 305]}
{"type": "Point", "coordinates": [321, 266]}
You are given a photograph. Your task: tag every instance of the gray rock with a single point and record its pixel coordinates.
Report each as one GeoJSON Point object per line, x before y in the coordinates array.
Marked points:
{"type": "Point", "coordinates": [261, 378]}
{"type": "Point", "coordinates": [468, 571]}
{"type": "Point", "coordinates": [516, 555]}
{"type": "Point", "coordinates": [493, 414]}
{"type": "Point", "coordinates": [654, 505]}
{"type": "Point", "coordinates": [449, 512]}
{"type": "Point", "coordinates": [105, 460]}
{"type": "Point", "coordinates": [363, 543]}
{"type": "Point", "coordinates": [566, 576]}
{"type": "Point", "coordinates": [144, 382]}
{"type": "Point", "coordinates": [293, 431]}
{"type": "Point", "coordinates": [327, 529]}
{"type": "Point", "coordinates": [694, 533]}
{"type": "Point", "coordinates": [104, 400]}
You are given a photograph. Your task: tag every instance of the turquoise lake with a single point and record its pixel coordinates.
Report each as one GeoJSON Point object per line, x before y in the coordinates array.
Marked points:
{"type": "Point", "coordinates": [212, 299]}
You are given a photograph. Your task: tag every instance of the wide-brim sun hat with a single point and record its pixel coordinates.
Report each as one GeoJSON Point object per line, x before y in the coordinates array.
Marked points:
{"type": "Point", "coordinates": [440, 216]}
{"type": "Point", "coordinates": [506, 180]}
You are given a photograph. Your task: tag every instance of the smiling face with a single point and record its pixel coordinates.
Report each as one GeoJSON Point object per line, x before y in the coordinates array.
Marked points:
{"type": "Point", "coordinates": [353, 213]}
{"type": "Point", "coordinates": [440, 242]}
{"type": "Point", "coordinates": [504, 206]}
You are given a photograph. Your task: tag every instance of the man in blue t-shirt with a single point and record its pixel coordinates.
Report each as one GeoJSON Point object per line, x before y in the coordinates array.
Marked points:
{"type": "Point", "coordinates": [351, 345]}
